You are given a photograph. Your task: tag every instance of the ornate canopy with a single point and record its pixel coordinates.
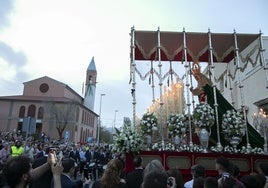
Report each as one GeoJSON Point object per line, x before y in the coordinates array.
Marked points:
{"type": "Point", "coordinates": [172, 45]}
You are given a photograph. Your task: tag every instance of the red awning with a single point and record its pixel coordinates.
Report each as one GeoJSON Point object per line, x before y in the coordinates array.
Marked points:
{"type": "Point", "coordinates": [197, 44]}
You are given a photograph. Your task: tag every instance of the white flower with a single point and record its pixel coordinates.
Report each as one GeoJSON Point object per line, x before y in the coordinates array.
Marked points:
{"type": "Point", "coordinates": [177, 124]}
{"type": "Point", "coordinates": [127, 139]}
{"type": "Point", "coordinates": [203, 115]}
{"type": "Point", "coordinates": [233, 124]}
{"type": "Point", "coordinates": [148, 123]}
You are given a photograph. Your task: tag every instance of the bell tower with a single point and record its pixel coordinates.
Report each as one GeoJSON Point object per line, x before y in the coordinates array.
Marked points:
{"type": "Point", "coordinates": [90, 86]}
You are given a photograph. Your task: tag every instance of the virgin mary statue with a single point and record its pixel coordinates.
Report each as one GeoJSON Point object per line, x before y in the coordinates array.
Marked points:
{"type": "Point", "coordinates": [204, 91]}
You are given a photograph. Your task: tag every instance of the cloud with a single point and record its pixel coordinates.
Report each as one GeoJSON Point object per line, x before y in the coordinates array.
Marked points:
{"type": "Point", "coordinates": [5, 9]}
{"type": "Point", "coordinates": [17, 59]}
{"type": "Point", "coordinates": [11, 66]}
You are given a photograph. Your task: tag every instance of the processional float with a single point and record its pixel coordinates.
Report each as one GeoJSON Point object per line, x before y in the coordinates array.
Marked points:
{"type": "Point", "coordinates": [164, 47]}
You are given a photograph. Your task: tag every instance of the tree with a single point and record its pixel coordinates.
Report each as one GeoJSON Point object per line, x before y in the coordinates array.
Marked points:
{"type": "Point", "coordinates": [62, 114]}
{"type": "Point", "coordinates": [105, 135]}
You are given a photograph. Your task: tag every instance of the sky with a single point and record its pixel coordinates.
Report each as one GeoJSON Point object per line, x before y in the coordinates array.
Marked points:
{"type": "Point", "coordinates": [58, 38]}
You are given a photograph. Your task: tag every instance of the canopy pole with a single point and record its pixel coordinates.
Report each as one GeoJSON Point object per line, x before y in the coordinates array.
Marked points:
{"type": "Point", "coordinates": [241, 89]}
{"type": "Point", "coordinates": [152, 77]}
{"type": "Point", "coordinates": [132, 74]}
{"type": "Point", "coordinates": [263, 63]}
{"type": "Point", "coordinates": [160, 87]}
{"type": "Point", "coordinates": [188, 103]}
{"type": "Point", "coordinates": [212, 66]}
{"type": "Point", "coordinates": [191, 84]}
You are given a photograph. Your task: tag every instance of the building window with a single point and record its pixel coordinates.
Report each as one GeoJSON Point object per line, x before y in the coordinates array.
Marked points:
{"type": "Point", "coordinates": [77, 114]}
{"type": "Point", "coordinates": [83, 114]}
{"type": "Point", "coordinates": [31, 110]}
{"type": "Point", "coordinates": [40, 114]}
{"type": "Point", "coordinates": [22, 112]}
{"type": "Point", "coordinates": [44, 88]}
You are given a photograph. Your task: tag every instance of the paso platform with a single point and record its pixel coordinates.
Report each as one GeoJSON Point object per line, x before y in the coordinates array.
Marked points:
{"type": "Point", "coordinates": [247, 163]}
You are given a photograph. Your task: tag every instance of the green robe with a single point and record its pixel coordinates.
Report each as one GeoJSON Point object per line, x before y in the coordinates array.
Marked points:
{"type": "Point", "coordinates": [255, 139]}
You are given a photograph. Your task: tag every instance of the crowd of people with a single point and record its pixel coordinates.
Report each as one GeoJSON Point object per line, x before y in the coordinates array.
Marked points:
{"type": "Point", "coordinates": [43, 164]}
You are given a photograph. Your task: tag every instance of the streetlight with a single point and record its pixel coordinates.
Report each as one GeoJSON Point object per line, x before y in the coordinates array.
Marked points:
{"type": "Point", "coordinates": [99, 124]}
{"type": "Point", "coordinates": [114, 119]}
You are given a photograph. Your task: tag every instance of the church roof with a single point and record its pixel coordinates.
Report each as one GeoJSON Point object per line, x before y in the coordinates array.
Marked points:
{"type": "Point", "coordinates": [91, 65]}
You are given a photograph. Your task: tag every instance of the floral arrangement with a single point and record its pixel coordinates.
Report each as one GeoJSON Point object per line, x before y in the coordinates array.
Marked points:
{"type": "Point", "coordinates": [168, 146]}
{"type": "Point", "coordinates": [148, 123]}
{"type": "Point", "coordinates": [159, 146]}
{"type": "Point", "coordinates": [243, 150]}
{"type": "Point", "coordinates": [177, 124]}
{"type": "Point", "coordinates": [127, 139]}
{"type": "Point", "coordinates": [233, 124]}
{"type": "Point", "coordinates": [171, 147]}
{"type": "Point", "coordinates": [194, 148]}
{"type": "Point", "coordinates": [203, 115]}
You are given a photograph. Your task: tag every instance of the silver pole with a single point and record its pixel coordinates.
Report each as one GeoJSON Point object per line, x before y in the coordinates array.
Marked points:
{"type": "Point", "coordinates": [132, 74]}
{"type": "Point", "coordinates": [152, 80]}
{"type": "Point", "coordinates": [191, 85]}
{"type": "Point", "coordinates": [188, 103]}
{"type": "Point", "coordinates": [99, 124]}
{"type": "Point", "coordinates": [241, 89]}
{"type": "Point", "coordinates": [212, 66]}
{"type": "Point", "coordinates": [160, 87]}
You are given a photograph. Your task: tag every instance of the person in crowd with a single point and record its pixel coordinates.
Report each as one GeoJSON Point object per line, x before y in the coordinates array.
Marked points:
{"type": "Point", "coordinates": [251, 181]}
{"type": "Point", "coordinates": [227, 182]}
{"type": "Point", "coordinates": [196, 172]}
{"type": "Point", "coordinates": [154, 165]}
{"type": "Point", "coordinates": [134, 178]}
{"type": "Point", "coordinates": [74, 154]}
{"type": "Point", "coordinates": [92, 158]}
{"type": "Point", "coordinates": [29, 150]}
{"type": "Point", "coordinates": [176, 173]}
{"type": "Point", "coordinates": [16, 149]}
{"type": "Point", "coordinates": [223, 166]}
{"type": "Point", "coordinates": [19, 173]}
{"type": "Point", "coordinates": [111, 176]}
{"type": "Point", "coordinates": [260, 178]}
{"type": "Point", "coordinates": [263, 169]}
{"type": "Point", "coordinates": [211, 182]}
{"type": "Point", "coordinates": [4, 154]}
{"type": "Point", "coordinates": [68, 165]}
{"type": "Point", "coordinates": [235, 174]}
{"type": "Point", "coordinates": [40, 151]}
{"type": "Point", "coordinates": [45, 180]}
{"type": "Point", "coordinates": [225, 170]}
{"type": "Point", "coordinates": [83, 159]}
{"type": "Point", "coordinates": [158, 179]}
{"type": "Point", "coordinates": [102, 161]}
{"type": "Point", "coordinates": [198, 182]}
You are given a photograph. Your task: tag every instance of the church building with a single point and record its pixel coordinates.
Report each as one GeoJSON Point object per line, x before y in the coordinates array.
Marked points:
{"type": "Point", "coordinates": [50, 107]}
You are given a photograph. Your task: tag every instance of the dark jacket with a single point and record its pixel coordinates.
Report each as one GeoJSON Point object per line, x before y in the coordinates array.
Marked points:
{"type": "Point", "coordinates": [66, 182]}
{"type": "Point", "coordinates": [134, 178]}
{"type": "Point", "coordinates": [43, 181]}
